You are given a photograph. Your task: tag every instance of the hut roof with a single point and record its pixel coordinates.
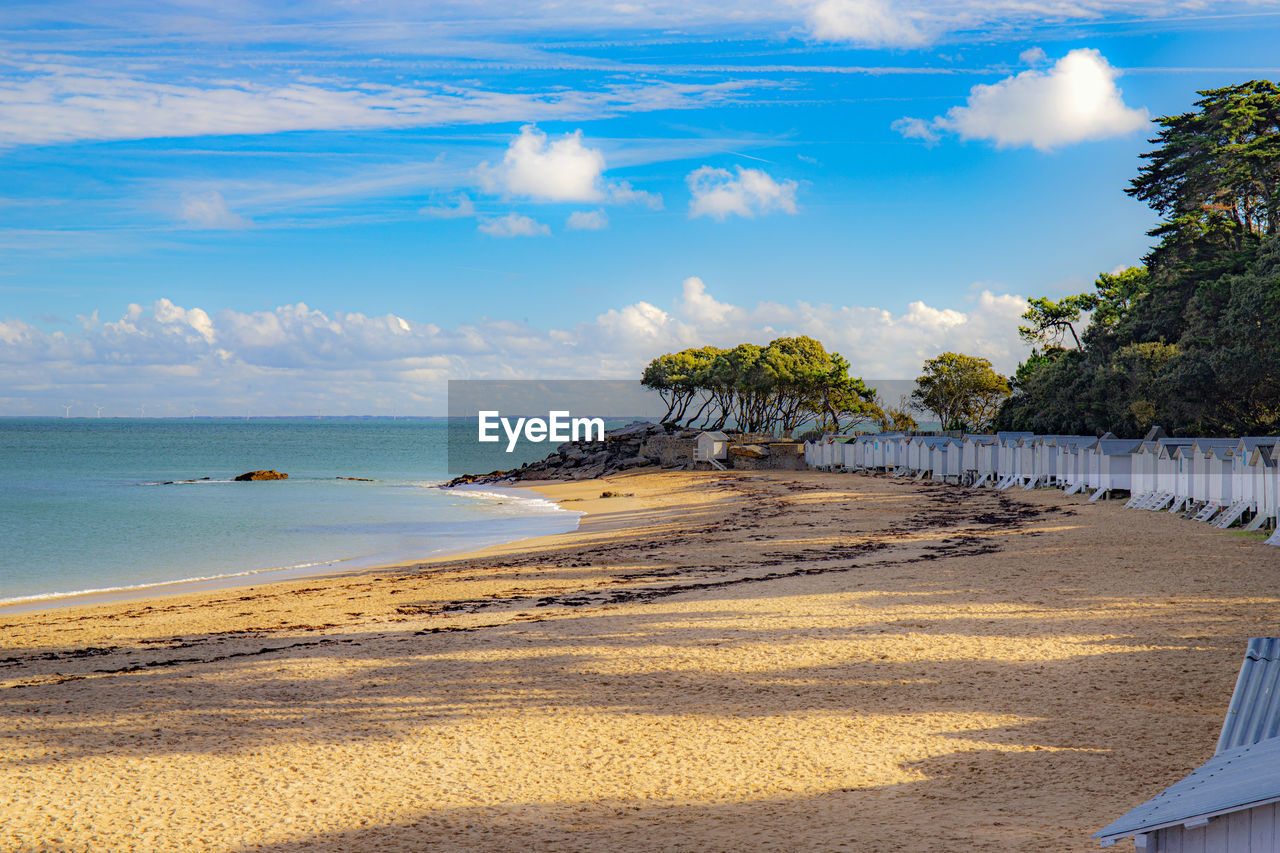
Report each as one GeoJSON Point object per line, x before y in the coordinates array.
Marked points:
{"type": "Point", "coordinates": [715, 435]}
{"type": "Point", "coordinates": [1237, 779]}
{"type": "Point", "coordinates": [1241, 773]}
{"type": "Point", "coordinates": [1264, 455]}
{"type": "Point", "coordinates": [1254, 712]}
{"type": "Point", "coordinates": [1117, 446]}
{"type": "Point", "coordinates": [1249, 442]}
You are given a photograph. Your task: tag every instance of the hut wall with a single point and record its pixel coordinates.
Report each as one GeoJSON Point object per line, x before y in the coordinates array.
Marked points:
{"type": "Point", "coordinates": [1255, 830]}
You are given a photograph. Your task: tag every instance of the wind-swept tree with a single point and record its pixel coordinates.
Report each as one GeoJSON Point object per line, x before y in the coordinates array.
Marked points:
{"type": "Point", "coordinates": [1048, 321]}
{"type": "Point", "coordinates": [779, 387]}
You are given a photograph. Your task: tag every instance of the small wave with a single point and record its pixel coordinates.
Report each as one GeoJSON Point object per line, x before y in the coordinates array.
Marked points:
{"type": "Point", "coordinates": [185, 482]}
{"type": "Point", "coordinates": [45, 596]}
{"type": "Point", "coordinates": [513, 502]}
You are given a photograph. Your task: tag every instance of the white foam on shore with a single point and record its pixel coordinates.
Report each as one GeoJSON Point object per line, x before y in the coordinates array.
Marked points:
{"type": "Point", "coordinates": [46, 596]}
{"type": "Point", "coordinates": [513, 501]}
{"type": "Point", "coordinates": [497, 501]}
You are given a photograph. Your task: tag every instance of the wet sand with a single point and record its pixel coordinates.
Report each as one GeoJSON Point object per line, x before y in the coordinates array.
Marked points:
{"type": "Point", "coordinates": [713, 662]}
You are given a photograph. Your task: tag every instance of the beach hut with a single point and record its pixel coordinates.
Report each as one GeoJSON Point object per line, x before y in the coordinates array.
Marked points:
{"type": "Point", "coordinates": [1065, 460]}
{"type": "Point", "coordinates": [1266, 484]}
{"type": "Point", "coordinates": [1231, 803]}
{"type": "Point", "coordinates": [713, 447]}
{"type": "Point", "coordinates": [848, 454]}
{"type": "Point", "coordinates": [1045, 463]}
{"type": "Point", "coordinates": [945, 459]}
{"type": "Point", "coordinates": [1114, 460]}
{"type": "Point", "coordinates": [1079, 472]}
{"type": "Point", "coordinates": [896, 454]}
{"type": "Point", "coordinates": [1212, 462]}
{"type": "Point", "coordinates": [1007, 458]}
{"type": "Point", "coordinates": [1144, 473]}
{"type": "Point", "coordinates": [978, 463]}
{"type": "Point", "coordinates": [1211, 479]}
{"type": "Point", "coordinates": [1166, 472]}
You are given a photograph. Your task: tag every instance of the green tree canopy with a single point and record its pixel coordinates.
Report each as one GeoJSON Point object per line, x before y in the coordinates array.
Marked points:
{"type": "Point", "coordinates": [778, 387]}
{"type": "Point", "coordinates": [1190, 340]}
{"type": "Point", "coordinates": [964, 391]}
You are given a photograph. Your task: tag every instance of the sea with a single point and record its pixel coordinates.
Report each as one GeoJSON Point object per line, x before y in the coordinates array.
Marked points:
{"type": "Point", "coordinates": [113, 506]}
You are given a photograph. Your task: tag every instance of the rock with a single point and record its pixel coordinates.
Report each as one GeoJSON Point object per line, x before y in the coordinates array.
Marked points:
{"type": "Point", "coordinates": [633, 462]}
{"type": "Point", "coordinates": [750, 451]}
{"type": "Point", "coordinates": [261, 475]}
{"type": "Point", "coordinates": [354, 479]}
{"type": "Point", "coordinates": [589, 472]}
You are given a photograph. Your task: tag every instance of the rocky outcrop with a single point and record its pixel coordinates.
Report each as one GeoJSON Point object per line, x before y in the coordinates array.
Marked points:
{"type": "Point", "coordinates": [749, 451]}
{"type": "Point", "coordinates": [261, 475]}
{"type": "Point", "coordinates": [622, 450]}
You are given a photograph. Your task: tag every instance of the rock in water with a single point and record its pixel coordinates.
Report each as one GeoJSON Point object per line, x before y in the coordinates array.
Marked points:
{"type": "Point", "coordinates": [261, 475]}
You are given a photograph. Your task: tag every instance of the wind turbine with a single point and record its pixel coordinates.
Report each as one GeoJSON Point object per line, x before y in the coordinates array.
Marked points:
{"type": "Point", "coordinates": [99, 408]}
{"type": "Point", "coordinates": [194, 411]}
{"type": "Point", "coordinates": [142, 410]}
{"type": "Point", "coordinates": [68, 408]}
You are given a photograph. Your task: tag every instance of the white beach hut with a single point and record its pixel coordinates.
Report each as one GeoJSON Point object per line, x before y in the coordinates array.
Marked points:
{"type": "Point", "coordinates": [978, 464]}
{"type": "Point", "coordinates": [1045, 451]}
{"type": "Point", "coordinates": [1266, 476]}
{"type": "Point", "coordinates": [1007, 459]}
{"type": "Point", "coordinates": [712, 447]}
{"type": "Point", "coordinates": [946, 458]}
{"type": "Point", "coordinates": [1114, 461]}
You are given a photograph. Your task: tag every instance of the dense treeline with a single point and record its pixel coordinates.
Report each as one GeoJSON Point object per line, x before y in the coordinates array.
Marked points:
{"type": "Point", "coordinates": [778, 388]}
{"type": "Point", "coordinates": [1191, 339]}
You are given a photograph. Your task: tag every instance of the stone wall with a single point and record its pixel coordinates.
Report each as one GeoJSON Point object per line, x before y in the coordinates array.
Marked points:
{"type": "Point", "coordinates": [671, 451]}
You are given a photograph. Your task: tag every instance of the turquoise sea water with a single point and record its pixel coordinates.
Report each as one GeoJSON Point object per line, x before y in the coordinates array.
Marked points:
{"type": "Point", "coordinates": [83, 505]}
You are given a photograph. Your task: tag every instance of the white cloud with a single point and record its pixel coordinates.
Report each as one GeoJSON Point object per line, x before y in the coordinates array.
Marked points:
{"type": "Point", "coordinates": [513, 225]}
{"type": "Point", "coordinates": [1033, 56]}
{"type": "Point", "coordinates": [917, 128]}
{"type": "Point", "coordinates": [719, 193]}
{"type": "Point", "coordinates": [462, 207]}
{"type": "Point", "coordinates": [547, 170]}
{"type": "Point", "coordinates": [564, 169]}
{"type": "Point", "coordinates": [1076, 100]}
{"type": "Point", "coordinates": [209, 210]}
{"type": "Point", "coordinates": [868, 23]}
{"type": "Point", "coordinates": [297, 359]}
{"type": "Point", "coordinates": [588, 220]}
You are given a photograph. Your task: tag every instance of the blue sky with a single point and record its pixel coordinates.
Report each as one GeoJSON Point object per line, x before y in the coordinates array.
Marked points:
{"type": "Point", "coordinates": [330, 207]}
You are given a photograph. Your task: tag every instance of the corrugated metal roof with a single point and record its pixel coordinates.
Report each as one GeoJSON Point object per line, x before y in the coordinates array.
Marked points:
{"type": "Point", "coordinates": [1237, 779]}
{"type": "Point", "coordinates": [1254, 712]}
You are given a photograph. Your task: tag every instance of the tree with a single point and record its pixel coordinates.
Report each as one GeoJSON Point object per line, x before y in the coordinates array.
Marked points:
{"type": "Point", "coordinates": [1217, 169]}
{"type": "Point", "coordinates": [1189, 339]}
{"type": "Point", "coordinates": [893, 418]}
{"type": "Point", "coordinates": [964, 391]}
{"type": "Point", "coordinates": [778, 387]}
{"type": "Point", "coordinates": [1050, 319]}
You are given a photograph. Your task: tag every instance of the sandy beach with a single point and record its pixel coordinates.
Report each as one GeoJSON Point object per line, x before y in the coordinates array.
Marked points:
{"type": "Point", "coordinates": [740, 661]}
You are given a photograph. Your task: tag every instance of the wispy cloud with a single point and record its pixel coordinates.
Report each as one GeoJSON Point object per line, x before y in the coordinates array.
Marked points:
{"type": "Point", "coordinates": [513, 225]}
{"type": "Point", "coordinates": [209, 210]}
{"type": "Point", "coordinates": [587, 220]}
{"type": "Point", "coordinates": [43, 104]}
